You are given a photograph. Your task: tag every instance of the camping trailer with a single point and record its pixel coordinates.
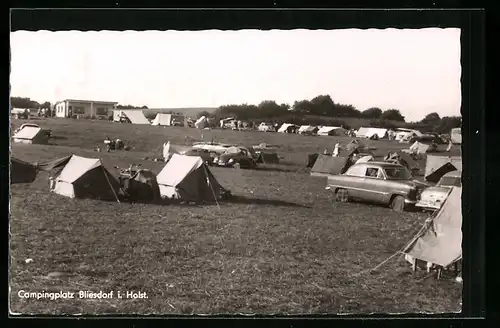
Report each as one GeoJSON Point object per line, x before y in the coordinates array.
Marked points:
{"type": "Point", "coordinates": [456, 135]}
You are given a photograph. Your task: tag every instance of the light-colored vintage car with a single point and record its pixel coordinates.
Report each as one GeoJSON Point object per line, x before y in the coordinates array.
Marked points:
{"type": "Point", "coordinates": [379, 182]}
{"type": "Point", "coordinates": [433, 197]}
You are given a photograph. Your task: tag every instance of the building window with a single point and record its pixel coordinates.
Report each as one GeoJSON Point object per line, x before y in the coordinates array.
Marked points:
{"type": "Point", "coordinates": [101, 111]}
{"type": "Point", "coordinates": [78, 110]}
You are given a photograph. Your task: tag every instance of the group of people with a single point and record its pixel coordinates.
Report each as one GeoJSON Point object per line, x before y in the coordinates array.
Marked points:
{"type": "Point", "coordinates": [111, 145]}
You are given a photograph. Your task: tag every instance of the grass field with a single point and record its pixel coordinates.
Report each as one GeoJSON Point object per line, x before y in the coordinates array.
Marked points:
{"type": "Point", "coordinates": [284, 247]}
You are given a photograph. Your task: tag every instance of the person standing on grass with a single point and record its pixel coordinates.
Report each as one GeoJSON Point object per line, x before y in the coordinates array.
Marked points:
{"type": "Point", "coordinates": [336, 150]}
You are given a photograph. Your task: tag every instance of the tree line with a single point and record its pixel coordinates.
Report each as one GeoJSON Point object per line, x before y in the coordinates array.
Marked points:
{"type": "Point", "coordinates": [322, 110]}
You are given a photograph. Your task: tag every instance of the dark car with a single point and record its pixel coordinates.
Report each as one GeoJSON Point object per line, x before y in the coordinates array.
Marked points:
{"type": "Point", "coordinates": [379, 182]}
{"type": "Point", "coordinates": [428, 138]}
{"type": "Point", "coordinates": [236, 157]}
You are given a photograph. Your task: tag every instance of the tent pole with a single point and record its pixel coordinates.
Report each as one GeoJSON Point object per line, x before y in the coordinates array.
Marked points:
{"type": "Point", "coordinates": [109, 183]}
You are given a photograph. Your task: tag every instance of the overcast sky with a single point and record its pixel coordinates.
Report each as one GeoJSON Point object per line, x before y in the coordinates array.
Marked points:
{"type": "Point", "coordinates": [415, 71]}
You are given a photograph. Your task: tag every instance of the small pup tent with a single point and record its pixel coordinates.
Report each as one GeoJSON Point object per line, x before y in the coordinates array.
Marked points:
{"type": "Point", "coordinates": [188, 178]}
{"type": "Point", "coordinates": [31, 135]}
{"type": "Point", "coordinates": [22, 172]}
{"type": "Point", "coordinates": [85, 178]}
{"type": "Point", "coordinates": [440, 242]}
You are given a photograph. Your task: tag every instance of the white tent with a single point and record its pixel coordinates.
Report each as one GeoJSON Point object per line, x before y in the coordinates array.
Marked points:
{"type": "Point", "coordinates": [331, 131]}
{"type": "Point", "coordinates": [30, 135]}
{"type": "Point", "coordinates": [188, 178]}
{"type": "Point", "coordinates": [440, 241]}
{"type": "Point", "coordinates": [405, 135]}
{"type": "Point", "coordinates": [85, 178]}
{"type": "Point", "coordinates": [135, 116]}
{"type": "Point", "coordinates": [361, 133]}
{"type": "Point", "coordinates": [284, 127]}
{"type": "Point", "coordinates": [365, 159]}
{"type": "Point", "coordinates": [200, 123]}
{"type": "Point", "coordinates": [163, 119]}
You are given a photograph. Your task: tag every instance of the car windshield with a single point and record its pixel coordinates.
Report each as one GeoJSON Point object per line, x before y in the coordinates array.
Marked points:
{"type": "Point", "coordinates": [450, 181]}
{"type": "Point", "coordinates": [397, 173]}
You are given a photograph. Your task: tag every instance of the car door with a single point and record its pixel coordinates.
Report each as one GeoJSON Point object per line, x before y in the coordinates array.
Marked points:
{"type": "Point", "coordinates": [354, 179]}
{"type": "Point", "coordinates": [372, 184]}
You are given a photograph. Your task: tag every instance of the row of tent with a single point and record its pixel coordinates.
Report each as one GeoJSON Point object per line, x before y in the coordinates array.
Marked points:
{"type": "Point", "coordinates": [183, 177]}
{"type": "Point", "coordinates": [310, 129]}
{"type": "Point", "coordinates": [161, 119]}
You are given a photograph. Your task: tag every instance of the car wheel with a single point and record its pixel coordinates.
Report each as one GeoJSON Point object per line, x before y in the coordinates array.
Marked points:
{"type": "Point", "coordinates": [342, 195]}
{"type": "Point", "coordinates": [237, 166]}
{"type": "Point", "coordinates": [398, 204]}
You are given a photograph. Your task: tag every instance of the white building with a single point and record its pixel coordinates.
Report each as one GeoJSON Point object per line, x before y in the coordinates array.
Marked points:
{"type": "Point", "coordinates": [84, 108]}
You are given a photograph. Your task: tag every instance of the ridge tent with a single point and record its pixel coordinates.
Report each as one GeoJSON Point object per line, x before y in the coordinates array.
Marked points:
{"type": "Point", "coordinates": [286, 128]}
{"type": "Point", "coordinates": [440, 242]}
{"type": "Point", "coordinates": [362, 132]}
{"type": "Point", "coordinates": [331, 131]}
{"type": "Point", "coordinates": [135, 116]}
{"type": "Point", "coordinates": [142, 186]}
{"type": "Point", "coordinates": [311, 159]}
{"type": "Point", "coordinates": [329, 165]}
{"type": "Point", "coordinates": [201, 123]}
{"type": "Point", "coordinates": [168, 119]}
{"type": "Point", "coordinates": [434, 163]}
{"type": "Point", "coordinates": [31, 135]}
{"type": "Point", "coordinates": [376, 133]}
{"type": "Point", "coordinates": [85, 178]}
{"type": "Point", "coordinates": [21, 171]}
{"type": "Point", "coordinates": [188, 178]}
{"type": "Point", "coordinates": [307, 129]}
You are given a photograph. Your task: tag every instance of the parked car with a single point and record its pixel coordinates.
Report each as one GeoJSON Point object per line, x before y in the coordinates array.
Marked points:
{"type": "Point", "coordinates": [47, 132]}
{"type": "Point", "coordinates": [236, 157]}
{"type": "Point", "coordinates": [206, 155]}
{"type": "Point", "coordinates": [379, 182]}
{"type": "Point", "coordinates": [428, 138]}
{"type": "Point", "coordinates": [433, 197]}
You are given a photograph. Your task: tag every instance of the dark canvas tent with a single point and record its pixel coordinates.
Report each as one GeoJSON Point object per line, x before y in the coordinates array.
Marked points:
{"type": "Point", "coordinates": [55, 166]}
{"type": "Point", "coordinates": [85, 178]}
{"type": "Point", "coordinates": [188, 178]}
{"type": "Point", "coordinates": [311, 159]}
{"type": "Point", "coordinates": [326, 165]}
{"type": "Point", "coordinates": [22, 172]}
{"type": "Point", "coordinates": [142, 186]}
{"type": "Point", "coordinates": [267, 158]}
{"type": "Point", "coordinates": [440, 242]}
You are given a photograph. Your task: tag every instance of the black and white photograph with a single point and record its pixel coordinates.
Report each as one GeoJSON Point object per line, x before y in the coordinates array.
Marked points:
{"type": "Point", "coordinates": [255, 172]}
